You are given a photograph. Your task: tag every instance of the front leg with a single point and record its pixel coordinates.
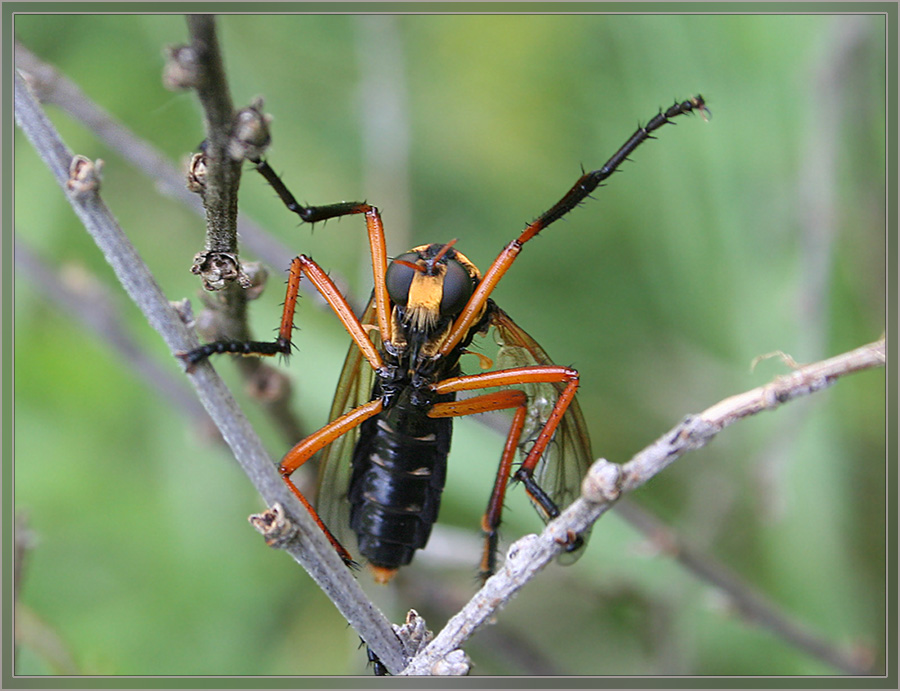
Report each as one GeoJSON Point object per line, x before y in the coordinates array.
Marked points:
{"type": "Point", "coordinates": [282, 344]}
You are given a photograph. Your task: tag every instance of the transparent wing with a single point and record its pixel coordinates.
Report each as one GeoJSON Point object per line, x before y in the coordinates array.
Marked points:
{"type": "Point", "coordinates": [353, 389]}
{"type": "Point", "coordinates": [568, 456]}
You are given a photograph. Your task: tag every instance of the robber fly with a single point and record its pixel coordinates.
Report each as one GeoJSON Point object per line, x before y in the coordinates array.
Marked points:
{"type": "Point", "coordinates": [384, 450]}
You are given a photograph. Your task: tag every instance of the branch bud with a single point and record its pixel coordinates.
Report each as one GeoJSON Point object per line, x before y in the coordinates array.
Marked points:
{"type": "Point", "coordinates": [181, 71]}
{"type": "Point", "coordinates": [84, 176]}
{"type": "Point", "coordinates": [217, 268]}
{"type": "Point", "coordinates": [274, 526]}
{"type": "Point", "coordinates": [413, 634]}
{"type": "Point", "coordinates": [250, 134]}
{"type": "Point", "coordinates": [196, 174]}
{"type": "Point", "coordinates": [454, 664]}
{"type": "Point", "coordinates": [602, 485]}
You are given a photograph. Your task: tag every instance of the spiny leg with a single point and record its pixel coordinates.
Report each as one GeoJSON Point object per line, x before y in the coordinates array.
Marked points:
{"type": "Point", "coordinates": [307, 448]}
{"type": "Point", "coordinates": [539, 374]}
{"type": "Point", "coordinates": [586, 184]}
{"type": "Point", "coordinates": [312, 214]}
{"type": "Point", "coordinates": [506, 399]}
{"type": "Point", "coordinates": [282, 343]}
{"type": "Point", "coordinates": [309, 214]}
{"type": "Point", "coordinates": [499, 400]}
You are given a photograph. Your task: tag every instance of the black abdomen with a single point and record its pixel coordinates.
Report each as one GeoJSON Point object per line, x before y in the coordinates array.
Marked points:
{"type": "Point", "coordinates": [399, 469]}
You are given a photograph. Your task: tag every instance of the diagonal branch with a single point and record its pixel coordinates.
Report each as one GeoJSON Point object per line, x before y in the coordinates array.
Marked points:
{"type": "Point", "coordinates": [84, 298]}
{"type": "Point", "coordinates": [308, 545]}
{"type": "Point", "coordinates": [52, 87]}
{"type": "Point", "coordinates": [745, 404]}
{"type": "Point", "coordinates": [94, 308]}
{"type": "Point", "coordinates": [606, 482]}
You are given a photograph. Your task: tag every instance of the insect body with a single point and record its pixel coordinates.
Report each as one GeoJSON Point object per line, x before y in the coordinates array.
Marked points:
{"type": "Point", "coordinates": [385, 449]}
{"type": "Point", "coordinates": [399, 461]}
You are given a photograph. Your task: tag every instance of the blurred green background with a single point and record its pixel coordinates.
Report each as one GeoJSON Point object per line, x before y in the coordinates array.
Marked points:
{"type": "Point", "coordinates": [760, 230]}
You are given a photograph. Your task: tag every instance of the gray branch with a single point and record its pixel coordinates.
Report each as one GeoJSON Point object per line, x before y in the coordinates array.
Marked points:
{"type": "Point", "coordinates": [693, 433]}
{"type": "Point", "coordinates": [606, 482]}
{"type": "Point", "coordinates": [308, 546]}
{"type": "Point", "coordinates": [52, 87]}
{"type": "Point", "coordinates": [223, 174]}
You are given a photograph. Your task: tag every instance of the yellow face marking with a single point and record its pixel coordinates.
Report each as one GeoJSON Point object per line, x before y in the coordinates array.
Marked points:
{"type": "Point", "coordinates": [423, 308]}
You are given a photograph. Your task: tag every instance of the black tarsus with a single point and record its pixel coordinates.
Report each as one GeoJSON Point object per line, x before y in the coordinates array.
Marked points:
{"type": "Point", "coordinates": [588, 182]}
{"type": "Point", "coordinates": [193, 357]}
{"type": "Point", "coordinates": [378, 668]}
{"type": "Point", "coordinates": [308, 214]}
{"type": "Point", "coordinates": [537, 493]}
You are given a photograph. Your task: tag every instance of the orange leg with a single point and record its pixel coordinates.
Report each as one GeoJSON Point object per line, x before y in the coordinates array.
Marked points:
{"type": "Point", "coordinates": [341, 308]}
{"type": "Point", "coordinates": [379, 269]}
{"type": "Point", "coordinates": [312, 214]}
{"type": "Point", "coordinates": [300, 265]}
{"type": "Point", "coordinates": [540, 374]}
{"type": "Point", "coordinates": [281, 345]}
{"type": "Point", "coordinates": [500, 400]}
{"type": "Point", "coordinates": [511, 398]}
{"type": "Point", "coordinates": [303, 264]}
{"type": "Point", "coordinates": [305, 450]}
{"type": "Point", "coordinates": [580, 191]}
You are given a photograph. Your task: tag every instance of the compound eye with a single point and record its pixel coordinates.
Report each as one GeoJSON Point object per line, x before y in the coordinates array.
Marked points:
{"type": "Point", "coordinates": [399, 278]}
{"type": "Point", "coordinates": [458, 288]}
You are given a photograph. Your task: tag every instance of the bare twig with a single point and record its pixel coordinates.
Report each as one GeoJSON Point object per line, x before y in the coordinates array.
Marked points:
{"type": "Point", "coordinates": [51, 87]}
{"type": "Point", "coordinates": [830, 107]}
{"type": "Point", "coordinates": [218, 264]}
{"type": "Point", "coordinates": [606, 482]}
{"type": "Point", "coordinates": [750, 409]}
{"type": "Point", "coordinates": [265, 383]}
{"type": "Point", "coordinates": [216, 176]}
{"type": "Point", "coordinates": [514, 647]}
{"type": "Point", "coordinates": [308, 546]}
